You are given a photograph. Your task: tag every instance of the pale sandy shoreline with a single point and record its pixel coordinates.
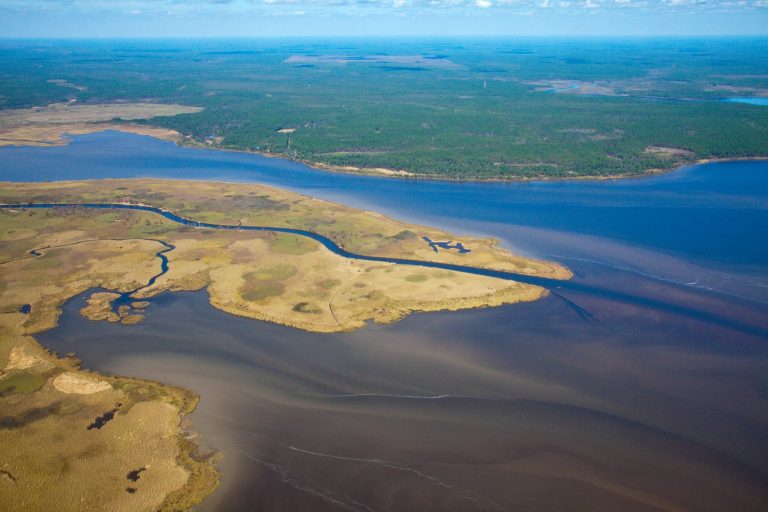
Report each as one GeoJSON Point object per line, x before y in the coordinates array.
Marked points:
{"type": "Point", "coordinates": [409, 175]}
{"type": "Point", "coordinates": [381, 172]}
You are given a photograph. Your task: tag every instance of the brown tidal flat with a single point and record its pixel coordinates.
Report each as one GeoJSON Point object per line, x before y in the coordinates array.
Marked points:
{"type": "Point", "coordinates": [478, 410]}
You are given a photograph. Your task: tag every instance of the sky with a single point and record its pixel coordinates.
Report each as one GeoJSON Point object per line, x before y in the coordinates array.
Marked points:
{"type": "Point", "coordinates": [270, 18]}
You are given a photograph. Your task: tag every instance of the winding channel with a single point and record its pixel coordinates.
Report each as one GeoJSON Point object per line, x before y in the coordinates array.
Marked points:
{"type": "Point", "coordinates": [545, 282]}
{"type": "Point", "coordinates": [327, 242]}
{"type": "Point", "coordinates": [125, 297]}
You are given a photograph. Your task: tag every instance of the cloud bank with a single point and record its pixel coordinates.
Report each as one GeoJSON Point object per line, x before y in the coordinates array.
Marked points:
{"type": "Point", "coordinates": [153, 18]}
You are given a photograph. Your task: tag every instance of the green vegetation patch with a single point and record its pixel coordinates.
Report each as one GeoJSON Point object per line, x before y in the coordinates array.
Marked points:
{"type": "Point", "coordinates": [260, 202]}
{"type": "Point", "coordinates": [66, 407]}
{"type": "Point", "coordinates": [105, 218]}
{"type": "Point", "coordinates": [260, 290]}
{"type": "Point", "coordinates": [404, 235]}
{"type": "Point", "coordinates": [279, 272]}
{"type": "Point", "coordinates": [256, 288]}
{"type": "Point", "coordinates": [24, 382]}
{"type": "Point", "coordinates": [416, 278]}
{"type": "Point", "coordinates": [203, 478]}
{"type": "Point", "coordinates": [44, 262]}
{"type": "Point", "coordinates": [143, 390]}
{"type": "Point", "coordinates": [289, 244]}
{"type": "Point", "coordinates": [375, 295]}
{"type": "Point", "coordinates": [150, 229]}
{"type": "Point", "coordinates": [12, 233]}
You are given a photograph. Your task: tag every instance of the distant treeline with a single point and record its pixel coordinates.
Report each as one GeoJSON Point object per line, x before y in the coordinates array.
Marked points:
{"type": "Point", "coordinates": [483, 110]}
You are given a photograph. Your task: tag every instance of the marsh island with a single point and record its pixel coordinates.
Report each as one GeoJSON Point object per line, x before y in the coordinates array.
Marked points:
{"type": "Point", "coordinates": [55, 245]}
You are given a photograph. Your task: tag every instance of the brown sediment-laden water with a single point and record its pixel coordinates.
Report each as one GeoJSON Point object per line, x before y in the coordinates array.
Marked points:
{"type": "Point", "coordinates": [481, 410]}
{"type": "Point", "coordinates": [640, 385]}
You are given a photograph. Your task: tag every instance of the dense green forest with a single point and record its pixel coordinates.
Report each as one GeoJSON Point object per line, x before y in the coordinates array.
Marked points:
{"type": "Point", "coordinates": [455, 109]}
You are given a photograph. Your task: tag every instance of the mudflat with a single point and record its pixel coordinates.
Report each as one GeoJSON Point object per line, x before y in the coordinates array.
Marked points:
{"type": "Point", "coordinates": [123, 426]}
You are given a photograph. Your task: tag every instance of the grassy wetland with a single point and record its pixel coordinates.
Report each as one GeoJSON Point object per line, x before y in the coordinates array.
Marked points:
{"type": "Point", "coordinates": [70, 436]}
{"type": "Point", "coordinates": [49, 126]}
{"type": "Point", "coordinates": [124, 443]}
{"type": "Point", "coordinates": [278, 277]}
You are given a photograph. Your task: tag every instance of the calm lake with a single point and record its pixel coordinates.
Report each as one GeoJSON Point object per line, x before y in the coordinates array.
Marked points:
{"type": "Point", "coordinates": [644, 389]}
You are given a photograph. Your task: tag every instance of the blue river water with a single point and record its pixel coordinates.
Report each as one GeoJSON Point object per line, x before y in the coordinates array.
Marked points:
{"type": "Point", "coordinates": [714, 213]}
{"type": "Point", "coordinates": [648, 367]}
{"type": "Point", "coordinates": [550, 284]}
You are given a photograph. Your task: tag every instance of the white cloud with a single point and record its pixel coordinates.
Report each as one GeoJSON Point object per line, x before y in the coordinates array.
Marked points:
{"type": "Point", "coordinates": [370, 7]}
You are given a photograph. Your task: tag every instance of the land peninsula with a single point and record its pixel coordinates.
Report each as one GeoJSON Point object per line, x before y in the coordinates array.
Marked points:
{"type": "Point", "coordinates": [456, 110]}
{"type": "Point", "coordinates": [125, 444]}
{"type": "Point", "coordinates": [49, 126]}
{"type": "Point", "coordinates": [53, 124]}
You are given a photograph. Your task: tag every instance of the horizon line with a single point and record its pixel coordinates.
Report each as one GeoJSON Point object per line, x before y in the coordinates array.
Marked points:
{"type": "Point", "coordinates": [390, 36]}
